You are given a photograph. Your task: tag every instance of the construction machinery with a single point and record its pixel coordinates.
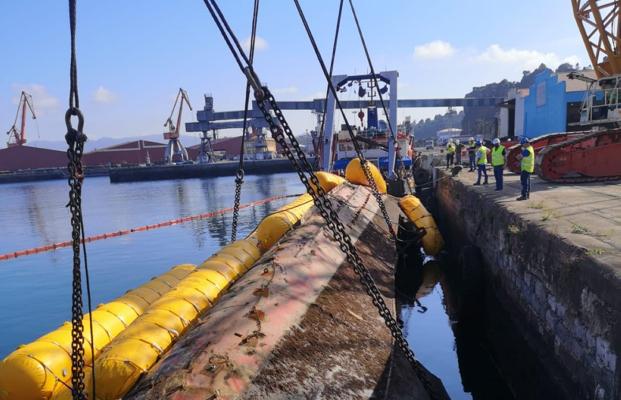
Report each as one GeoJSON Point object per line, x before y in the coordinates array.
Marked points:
{"type": "Point", "coordinates": [539, 143]}
{"type": "Point", "coordinates": [175, 152]}
{"type": "Point", "coordinates": [593, 155]}
{"type": "Point", "coordinates": [17, 137]}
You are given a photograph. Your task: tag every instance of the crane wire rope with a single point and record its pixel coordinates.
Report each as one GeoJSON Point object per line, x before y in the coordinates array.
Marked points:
{"type": "Point", "coordinates": [75, 138]}
{"type": "Point", "coordinates": [373, 74]}
{"type": "Point", "coordinates": [393, 137]}
{"type": "Point", "coordinates": [332, 59]}
{"type": "Point", "coordinates": [239, 177]}
{"type": "Point", "coordinates": [363, 160]}
{"type": "Point", "coordinates": [320, 199]}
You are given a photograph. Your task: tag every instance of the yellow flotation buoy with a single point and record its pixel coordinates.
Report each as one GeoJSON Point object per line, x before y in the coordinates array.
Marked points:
{"type": "Point", "coordinates": [355, 174]}
{"type": "Point", "coordinates": [133, 331]}
{"type": "Point", "coordinates": [39, 369]}
{"type": "Point", "coordinates": [417, 213]}
{"type": "Point", "coordinates": [273, 227]}
{"type": "Point", "coordinates": [140, 345]}
{"type": "Point", "coordinates": [327, 180]}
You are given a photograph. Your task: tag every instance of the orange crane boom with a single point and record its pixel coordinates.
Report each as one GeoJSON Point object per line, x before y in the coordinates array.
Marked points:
{"type": "Point", "coordinates": [174, 148]}
{"type": "Point", "coordinates": [17, 137]}
{"type": "Point", "coordinates": [172, 129]}
{"type": "Point", "coordinates": [599, 22]}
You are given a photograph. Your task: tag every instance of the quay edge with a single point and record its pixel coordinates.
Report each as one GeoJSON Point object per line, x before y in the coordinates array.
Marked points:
{"type": "Point", "coordinates": [554, 262]}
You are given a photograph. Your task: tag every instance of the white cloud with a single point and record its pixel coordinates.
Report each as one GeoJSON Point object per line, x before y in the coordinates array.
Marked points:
{"type": "Point", "coordinates": [103, 95]}
{"type": "Point", "coordinates": [526, 59]}
{"type": "Point", "coordinates": [259, 44]}
{"type": "Point", "coordinates": [41, 98]}
{"type": "Point", "coordinates": [434, 50]}
{"type": "Point", "coordinates": [286, 90]}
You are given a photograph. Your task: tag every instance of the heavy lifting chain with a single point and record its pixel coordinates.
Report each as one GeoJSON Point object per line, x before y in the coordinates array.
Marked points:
{"type": "Point", "coordinates": [75, 141]}
{"type": "Point", "coordinates": [352, 136]}
{"type": "Point", "coordinates": [339, 233]}
{"type": "Point", "coordinates": [239, 180]}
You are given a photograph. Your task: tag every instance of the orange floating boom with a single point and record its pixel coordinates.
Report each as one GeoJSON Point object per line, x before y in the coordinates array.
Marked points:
{"type": "Point", "coordinates": [54, 246]}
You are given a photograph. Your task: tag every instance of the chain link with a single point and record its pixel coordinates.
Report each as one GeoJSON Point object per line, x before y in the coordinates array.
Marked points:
{"type": "Point", "coordinates": [239, 180]}
{"type": "Point", "coordinates": [75, 140]}
{"type": "Point", "coordinates": [323, 204]}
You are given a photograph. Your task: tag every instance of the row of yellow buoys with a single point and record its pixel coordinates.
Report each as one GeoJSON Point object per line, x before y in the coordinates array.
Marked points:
{"type": "Point", "coordinates": [42, 368]}
{"type": "Point", "coordinates": [133, 331]}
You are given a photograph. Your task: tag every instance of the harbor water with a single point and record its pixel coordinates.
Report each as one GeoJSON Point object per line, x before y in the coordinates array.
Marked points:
{"type": "Point", "coordinates": [35, 291]}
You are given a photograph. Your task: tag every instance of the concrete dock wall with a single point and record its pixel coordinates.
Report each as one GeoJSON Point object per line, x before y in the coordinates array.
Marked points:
{"type": "Point", "coordinates": [566, 301]}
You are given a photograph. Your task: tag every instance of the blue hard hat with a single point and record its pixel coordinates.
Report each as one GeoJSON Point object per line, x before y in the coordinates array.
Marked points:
{"type": "Point", "coordinates": [524, 140]}
{"type": "Point", "coordinates": [478, 143]}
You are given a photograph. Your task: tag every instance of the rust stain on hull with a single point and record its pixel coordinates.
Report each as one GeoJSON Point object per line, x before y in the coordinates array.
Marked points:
{"type": "Point", "coordinates": [298, 324]}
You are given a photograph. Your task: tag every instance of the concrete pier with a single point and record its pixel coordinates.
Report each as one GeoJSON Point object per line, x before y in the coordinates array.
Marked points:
{"type": "Point", "coordinates": [187, 171]}
{"type": "Point", "coordinates": [554, 261]}
{"type": "Point", "coordinates": [299, 324]}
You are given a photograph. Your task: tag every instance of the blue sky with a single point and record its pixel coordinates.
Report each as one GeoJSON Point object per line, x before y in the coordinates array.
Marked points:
{"type": "Point", "coordinates": [133, 55]}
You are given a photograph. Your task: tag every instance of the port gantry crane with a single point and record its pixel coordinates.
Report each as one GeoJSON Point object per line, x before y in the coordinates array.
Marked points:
{"type": "Point", "coordinates": [593, 154]}
{"type": "Point", "coordinates": [17, 137]}
{"type": "Point", "coordinates": [174, 146]}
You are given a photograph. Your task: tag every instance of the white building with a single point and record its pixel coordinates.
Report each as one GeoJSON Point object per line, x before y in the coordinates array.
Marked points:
{"type": "Point", "coordinates": [444, 135]}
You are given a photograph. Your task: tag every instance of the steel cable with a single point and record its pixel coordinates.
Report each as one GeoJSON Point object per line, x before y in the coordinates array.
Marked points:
{"type": "Point", "coordinates": [320, 199]}
{"type": "Point", "coordinates": [374, 76]}
{"type": "Point", "coordinates": [239, 177]}
{"type": "Point", "coordinates": [325, 104]}
{"type": "Point", "coordinates": [363, 160]}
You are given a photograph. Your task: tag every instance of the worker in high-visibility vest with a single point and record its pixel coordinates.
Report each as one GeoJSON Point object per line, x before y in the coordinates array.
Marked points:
{"type": "Point", "coordinates": [472, 149]}
{"type": "Point", "coordinates": [481, 160]}
{"type": "Point", "coordinates": [450, 153]}
{"type": "Point", "coordinates": [458, 148]}
{"type": "Point", "coordinates": [527, 167]}
{"type": "Point", "coordinates": [498, 161]}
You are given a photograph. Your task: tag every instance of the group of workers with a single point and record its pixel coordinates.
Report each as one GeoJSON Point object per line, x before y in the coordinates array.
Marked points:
{"type": "Point", "coordinates": [477, 160]}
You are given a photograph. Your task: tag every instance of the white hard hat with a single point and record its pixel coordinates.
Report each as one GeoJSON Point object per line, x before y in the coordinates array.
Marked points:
{"type": "Point", "coordinates": [496, 141]}
{"type": "Point", "coordinates": [470, 138]}
{"type": "Point", "coordinates": [456, 141]}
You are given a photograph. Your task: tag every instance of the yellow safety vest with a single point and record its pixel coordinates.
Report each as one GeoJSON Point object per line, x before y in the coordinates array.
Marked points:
{"type": "Point", "coordinates": [528, 162]}
{"type": "Point", "coordinates": [482, 155]}
{"type": "Point", "coordinates": [497, 157]}
{"type": "Point", "coordinates": [450, 148]}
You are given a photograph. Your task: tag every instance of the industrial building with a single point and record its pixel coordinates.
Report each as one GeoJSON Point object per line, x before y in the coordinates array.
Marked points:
{"type": "Point", "coordinates": [136, 152]}
{"type": "Point", "coordinates": [551, 104]}
{"type": "Point", "coordinates": [27, 157]}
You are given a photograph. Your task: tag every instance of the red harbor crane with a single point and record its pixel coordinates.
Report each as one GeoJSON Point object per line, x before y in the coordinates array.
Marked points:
{"type": "Point", "coordinates": [17, 137]}
{"type": "Point", "coordinates": [174, 149]}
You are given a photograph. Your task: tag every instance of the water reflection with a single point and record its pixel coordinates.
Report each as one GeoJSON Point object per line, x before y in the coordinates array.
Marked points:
{"type": "Point", "coordinates": [217, 226]}
{"type": "Point", "coordinates": [34, 290]}
{"type": "Point", "coordinates": [451, 348]}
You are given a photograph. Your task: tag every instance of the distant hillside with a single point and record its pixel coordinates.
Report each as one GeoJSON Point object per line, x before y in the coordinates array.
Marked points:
{"type": "Point", "coordinates": [92, 144]}
{"type": "Point", "coordinates": [482, 120]}
{"type": "Point", "coordinates": [427, 128]}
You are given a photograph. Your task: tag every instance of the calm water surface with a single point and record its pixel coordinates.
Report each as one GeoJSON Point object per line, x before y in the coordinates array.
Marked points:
{"type": "Point", "coordinates": [35, 294]}
{"type": "Point", "coordinates": [430, 334]}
